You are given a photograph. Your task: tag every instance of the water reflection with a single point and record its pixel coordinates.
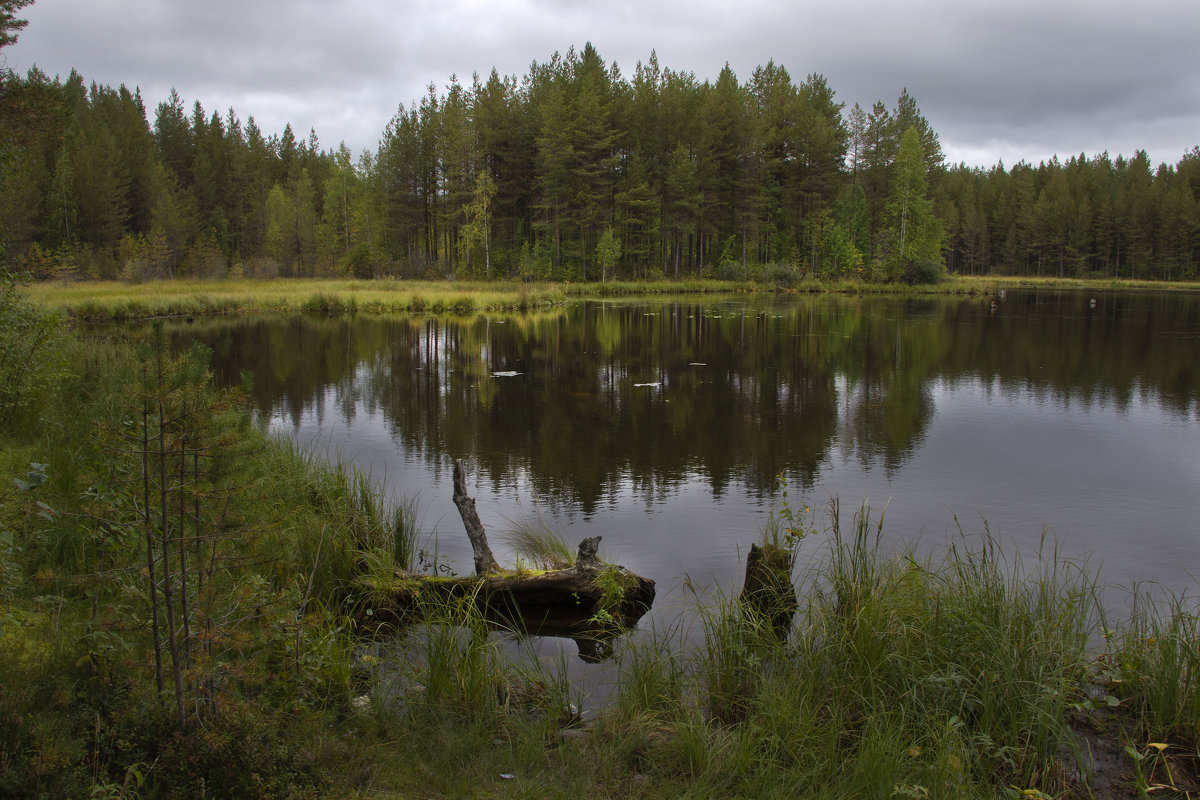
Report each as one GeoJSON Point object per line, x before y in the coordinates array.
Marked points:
{"type": "Point", "coordinates": [590, 396]}
{"type": "Point", "coordinates": [672, 421]}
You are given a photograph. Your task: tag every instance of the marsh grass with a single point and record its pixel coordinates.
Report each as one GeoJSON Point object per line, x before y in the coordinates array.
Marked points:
{"type": "Point", "coordinates": [952, 677]}
{"type": "Point", "coordinates": [453, 660]}
{"type": "Point", "coordinates": [902, 677]}
{"type": "Point", "coordinates": [347, 541]}
{"type": "Point", "coordinates": [1153, 664]}
{"type": "Point", "coordinates": [456, 663]}
{"type": "Point", "coordinates": [119, 301]}
{"type": "Point", "coordinates": [102, 300]}
{"type": "Point", "coordinates": [535, 542]}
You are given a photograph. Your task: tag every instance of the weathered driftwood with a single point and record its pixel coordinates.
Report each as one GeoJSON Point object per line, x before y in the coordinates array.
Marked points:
{"type": "Point", "coordinates": [768, 590]}
{"type": "Point", "coordinates": [569, 603]}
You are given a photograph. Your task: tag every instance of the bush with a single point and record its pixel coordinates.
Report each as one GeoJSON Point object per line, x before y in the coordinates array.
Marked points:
{"type": "Point", "coordinates": [924, 272]}
{"type": "Point", "coordinates": [357, 263]}
{"type": "Point", "coordinates": [781, 275]}
{"type": "Point", "coordinates": [28, 339]}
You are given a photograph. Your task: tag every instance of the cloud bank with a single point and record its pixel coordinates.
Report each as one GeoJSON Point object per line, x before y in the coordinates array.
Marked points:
{"type": "Point", "coordinates": [1011, 81]}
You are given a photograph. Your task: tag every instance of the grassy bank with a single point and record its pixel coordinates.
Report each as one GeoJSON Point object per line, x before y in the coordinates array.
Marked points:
{"type": "Point", "coordinates": [110, 300]}
{"type": "Point", "coordinates": [125, 473]}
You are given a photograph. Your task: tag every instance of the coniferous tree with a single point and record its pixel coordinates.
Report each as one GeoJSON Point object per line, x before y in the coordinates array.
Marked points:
{"type": "Point", "coordinates": [522, 176]}
{"type": "Point", "coordinates": [10, 25]}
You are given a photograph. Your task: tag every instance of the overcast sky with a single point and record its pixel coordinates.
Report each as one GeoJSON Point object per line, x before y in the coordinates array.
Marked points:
{"type": "Point", "coordinates": [1011, 80]}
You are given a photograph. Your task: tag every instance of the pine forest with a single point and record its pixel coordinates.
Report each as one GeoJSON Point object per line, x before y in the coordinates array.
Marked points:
{"type": "Point", "coordinates": [573, 171]}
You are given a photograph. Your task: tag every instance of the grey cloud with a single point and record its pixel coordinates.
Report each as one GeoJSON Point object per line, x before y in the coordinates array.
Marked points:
{"type": "Point", "coordinates": [996, 79]}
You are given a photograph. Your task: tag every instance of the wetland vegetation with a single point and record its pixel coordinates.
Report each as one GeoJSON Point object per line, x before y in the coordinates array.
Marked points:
{"type": "Point", "coordinates": [976, 672]}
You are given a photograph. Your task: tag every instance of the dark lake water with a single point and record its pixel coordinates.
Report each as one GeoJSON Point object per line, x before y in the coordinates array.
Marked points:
{"type": "Point", "coordinates": [664, 427]}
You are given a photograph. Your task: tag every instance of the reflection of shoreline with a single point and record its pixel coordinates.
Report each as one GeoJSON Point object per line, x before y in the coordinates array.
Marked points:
{"type": "Point", "coordinates": [838, 394]}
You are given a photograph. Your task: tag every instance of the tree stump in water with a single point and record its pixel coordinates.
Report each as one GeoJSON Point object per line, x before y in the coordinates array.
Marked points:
{"type": "Point", "coordinates": [768, 590]}
{"type": "Point", "coordinates": [587, 560]}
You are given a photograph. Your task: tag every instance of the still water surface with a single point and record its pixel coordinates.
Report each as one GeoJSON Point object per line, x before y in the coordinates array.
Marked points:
{"type": "Point", "coordinates": [664, 427]}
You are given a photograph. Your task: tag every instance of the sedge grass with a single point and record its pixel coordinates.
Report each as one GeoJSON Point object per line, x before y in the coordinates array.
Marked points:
{"type": "Point", "coordinates": [535, 542]}
{"type": "Point", "coordinates": [112, 300]}
{"type": "Point", "coordinates": [342, 536]}
{"type": "Point", "coordinates": [954, 676]}
{"type": "Point", "coordinates": [1154, 664]}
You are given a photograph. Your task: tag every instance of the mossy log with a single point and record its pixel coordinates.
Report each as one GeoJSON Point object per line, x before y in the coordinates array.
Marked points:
{"type": "Point", "coordinates": [561, 602]}
{"type": "Point", "coordinates": [589, 600]}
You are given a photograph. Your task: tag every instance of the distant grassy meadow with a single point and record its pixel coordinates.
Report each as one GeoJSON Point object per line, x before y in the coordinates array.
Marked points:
{"type": "Point", "coordinates": [118, 300]}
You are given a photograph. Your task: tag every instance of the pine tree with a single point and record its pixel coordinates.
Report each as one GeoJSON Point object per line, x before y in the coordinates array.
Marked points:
{"type": "Point", "coordinates": [9, 24]}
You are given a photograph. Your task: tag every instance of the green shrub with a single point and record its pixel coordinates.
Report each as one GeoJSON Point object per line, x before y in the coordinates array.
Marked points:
{"type": "Point", "coordinates": [29, 338]}
{"type": "Point", "coordinates": [921, 273]}
{"type": "Point", "coordinates": [781, 275]}
{"type": "Point", "coordinates": [357, 263]}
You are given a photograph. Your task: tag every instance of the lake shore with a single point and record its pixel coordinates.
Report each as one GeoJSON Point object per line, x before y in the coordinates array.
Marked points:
{"type": "Point", "coordinates": [107, 300]}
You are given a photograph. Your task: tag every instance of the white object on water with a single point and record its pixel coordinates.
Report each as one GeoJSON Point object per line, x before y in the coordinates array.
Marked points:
{"type": "Point", "coordinates": [505, 374]}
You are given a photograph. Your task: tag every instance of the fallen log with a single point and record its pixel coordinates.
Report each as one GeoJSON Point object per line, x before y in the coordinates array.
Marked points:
{"type": "Point", "coordinates": [561, 602]}
{"type": "Point", "coordinates": [590, 601]}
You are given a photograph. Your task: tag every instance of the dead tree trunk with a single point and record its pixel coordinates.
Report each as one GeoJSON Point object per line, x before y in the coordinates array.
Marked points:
{"type": "Point", "coordinates": [485, 562]}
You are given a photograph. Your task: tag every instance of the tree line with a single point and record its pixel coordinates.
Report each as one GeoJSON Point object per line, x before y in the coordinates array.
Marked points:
{"type": "Point", "coordinates": [570, 172]}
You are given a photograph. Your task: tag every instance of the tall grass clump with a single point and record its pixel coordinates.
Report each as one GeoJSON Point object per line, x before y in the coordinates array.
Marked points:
{"type": "Point", "coordinates": [901, 676]}
{"type": "Point", "coordinates": [451, 664]}
{"type": "Point", "coordinates": [1153, 662]}
{"type": "Point", "coordinates": [456, 666]}
{"type": "Point", "coordinates": [970, 653]}
{"type": "Point", "coordinates": [538, 544]}
{"type": "Point", "coordinates": [330, 304]}
{"type": "Point", "coordinates": [357, 541]}
{"type": "Point", "coordinates": [654, 678]}
{"type": "Point", "coordinates": [739, 650]}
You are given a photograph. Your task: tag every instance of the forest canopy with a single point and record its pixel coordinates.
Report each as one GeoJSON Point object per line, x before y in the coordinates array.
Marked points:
{"type": "Point", "coordinates": [572, 171]}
